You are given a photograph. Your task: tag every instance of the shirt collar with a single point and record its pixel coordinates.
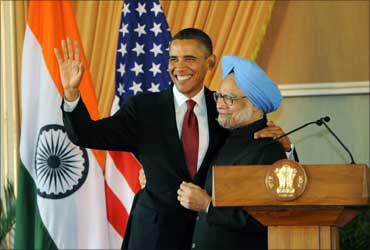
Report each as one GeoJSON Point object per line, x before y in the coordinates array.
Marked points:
{"type": "Point", "coordinates": [180, 98]}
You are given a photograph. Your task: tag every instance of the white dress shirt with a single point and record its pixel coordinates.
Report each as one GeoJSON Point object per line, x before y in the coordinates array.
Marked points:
{"type": "Point", "coordinates": [200, 110]}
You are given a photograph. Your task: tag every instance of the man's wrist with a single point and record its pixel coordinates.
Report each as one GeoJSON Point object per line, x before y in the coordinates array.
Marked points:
{"type": "Point", "coordinates": [71, 94]}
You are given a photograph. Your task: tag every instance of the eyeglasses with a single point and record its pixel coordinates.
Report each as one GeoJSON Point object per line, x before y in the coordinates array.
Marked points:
{"type": "Point", "coordinates": [228, 99]}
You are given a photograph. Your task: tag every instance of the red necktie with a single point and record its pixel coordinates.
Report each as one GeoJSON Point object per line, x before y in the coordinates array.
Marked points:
{"type": "Point", "coordinates": [190, 138]}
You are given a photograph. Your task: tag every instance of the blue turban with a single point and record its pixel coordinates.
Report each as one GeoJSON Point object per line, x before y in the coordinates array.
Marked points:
{"type": "Point", "coordinates": [253, 81]}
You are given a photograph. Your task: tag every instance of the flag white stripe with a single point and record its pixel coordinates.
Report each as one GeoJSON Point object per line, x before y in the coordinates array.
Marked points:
{"type": "Point", "coordinates": [114, 238]}
{"type": "Point", "coordinates": [118, 184]}
{"type": "Point", "coordinates": [33, 67]}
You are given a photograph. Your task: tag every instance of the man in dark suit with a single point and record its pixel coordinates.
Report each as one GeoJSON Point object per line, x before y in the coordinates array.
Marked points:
{"type": "Point", "coordinates": [174, 134]}
{"type": "Point", "coordinates": [245, 96]}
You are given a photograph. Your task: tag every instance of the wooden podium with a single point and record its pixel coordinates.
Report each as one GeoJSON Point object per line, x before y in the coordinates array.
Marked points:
{"type": "Point", "coordinates": [332, 195]}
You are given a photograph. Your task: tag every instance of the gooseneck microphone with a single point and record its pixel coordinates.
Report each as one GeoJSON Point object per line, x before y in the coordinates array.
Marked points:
{"type": "Point", "coordinates": [319, 122]}
{"type": "Point", "coordinates": [324, 122]}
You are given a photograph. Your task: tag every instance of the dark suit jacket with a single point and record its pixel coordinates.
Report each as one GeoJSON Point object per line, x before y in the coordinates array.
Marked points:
{"type": "Point", "coordinates": [146, 126]}
{"type": "Point", "coordinates": [234, 228]}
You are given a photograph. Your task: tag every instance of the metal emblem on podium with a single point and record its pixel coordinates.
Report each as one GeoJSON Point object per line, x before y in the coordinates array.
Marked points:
{"type": "Point", "coordinates": [286, 180]}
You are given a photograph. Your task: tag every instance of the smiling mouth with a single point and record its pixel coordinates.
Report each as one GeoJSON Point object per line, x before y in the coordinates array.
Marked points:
{"type": "Point", "coordinates": [183, 78]}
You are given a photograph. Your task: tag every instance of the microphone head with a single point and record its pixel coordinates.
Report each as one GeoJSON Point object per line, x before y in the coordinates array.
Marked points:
{"type": "Point", "coordinates": [319, 122]}
{"type": "Point", "coordinates": [326, 118]}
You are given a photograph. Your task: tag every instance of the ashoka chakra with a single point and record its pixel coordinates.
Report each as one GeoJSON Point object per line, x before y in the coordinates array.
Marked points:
{"type": "Point", "coordinates": [61, 167]}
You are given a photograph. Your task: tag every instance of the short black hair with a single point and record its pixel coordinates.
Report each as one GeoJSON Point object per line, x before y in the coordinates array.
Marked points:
{"type": "Point", "coordinates": [197, 34]}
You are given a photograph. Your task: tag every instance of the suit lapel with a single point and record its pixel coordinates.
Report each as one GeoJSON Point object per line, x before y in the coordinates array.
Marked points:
{"type": "Point", "coordinates": [172, 143]}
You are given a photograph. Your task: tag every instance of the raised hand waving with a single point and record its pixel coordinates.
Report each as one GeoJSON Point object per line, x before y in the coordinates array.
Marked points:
{"type": "Point", "coordinates": [70, 68]}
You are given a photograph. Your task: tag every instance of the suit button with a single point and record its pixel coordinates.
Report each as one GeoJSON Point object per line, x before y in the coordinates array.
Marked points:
{"type": "Point", "coordinates": [193, 245]}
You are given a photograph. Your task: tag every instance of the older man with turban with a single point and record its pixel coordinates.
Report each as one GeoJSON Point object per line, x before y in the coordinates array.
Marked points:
{"type": "Point", "coordinates": [246, 95]}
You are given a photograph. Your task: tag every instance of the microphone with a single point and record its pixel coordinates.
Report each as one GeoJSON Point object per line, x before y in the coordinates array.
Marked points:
{"type": "Point", "coordinates": [319, 122]}
{"type": "Point", "coordinates": [324, 122]}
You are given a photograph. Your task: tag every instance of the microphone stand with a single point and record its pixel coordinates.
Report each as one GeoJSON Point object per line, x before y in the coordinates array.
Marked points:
{"type": "Point", "coordinates": [340, 142]}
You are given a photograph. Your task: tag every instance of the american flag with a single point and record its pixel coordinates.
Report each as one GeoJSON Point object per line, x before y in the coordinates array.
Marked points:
{"type": "Point", "coordinates": [141, 66]}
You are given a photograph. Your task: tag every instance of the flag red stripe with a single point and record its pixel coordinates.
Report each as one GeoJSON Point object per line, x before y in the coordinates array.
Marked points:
{"type": "Point", "coordinates": [129, 167]}
{"type": "Point", "coordinates": [117, 213]}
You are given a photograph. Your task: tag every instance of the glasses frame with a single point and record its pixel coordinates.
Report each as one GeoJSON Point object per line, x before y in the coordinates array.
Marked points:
{"type": "Point", "coordinates": [227, 99]}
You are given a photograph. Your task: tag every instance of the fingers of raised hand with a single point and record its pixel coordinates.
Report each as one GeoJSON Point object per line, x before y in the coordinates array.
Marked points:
{"type": "Point", "coordinates": [71, 51]}
{"type": "Point", "coordinates": [77, 51]}
{"type": "Point", "coordinates": [69, 48]}
{"type": "Point", "coordinates": [64, 50]}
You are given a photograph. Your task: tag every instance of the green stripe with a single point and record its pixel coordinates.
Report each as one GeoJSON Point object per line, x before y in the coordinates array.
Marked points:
{"type": "Point", "coordinates": [30, 232]}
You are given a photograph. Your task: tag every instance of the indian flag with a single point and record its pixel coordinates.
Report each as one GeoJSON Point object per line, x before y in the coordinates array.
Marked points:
{"type": "Point", "coordinates": [61, 199]}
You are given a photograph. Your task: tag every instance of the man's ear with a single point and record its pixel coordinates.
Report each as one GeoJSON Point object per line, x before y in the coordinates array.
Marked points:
{"type": "Point", "coordinates": [211, 62]}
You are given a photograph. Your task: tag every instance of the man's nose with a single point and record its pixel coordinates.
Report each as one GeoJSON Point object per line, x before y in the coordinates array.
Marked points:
{"type": "Point", "coordinates": [220, 103]}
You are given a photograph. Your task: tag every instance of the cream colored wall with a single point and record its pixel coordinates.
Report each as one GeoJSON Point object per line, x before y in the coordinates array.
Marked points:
{"type": "Point", "coordinates": [315, 42]}
{"type": "Point", "coordinates": [349, 120]}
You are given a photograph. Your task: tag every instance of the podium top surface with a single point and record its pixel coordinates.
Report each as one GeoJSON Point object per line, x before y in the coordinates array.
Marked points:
{"type": "Point", "coordinates": [327, 185]}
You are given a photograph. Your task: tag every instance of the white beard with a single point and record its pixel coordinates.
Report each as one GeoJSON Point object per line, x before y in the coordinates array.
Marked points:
{"type": "Point", "coordinates": [235, 120]}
